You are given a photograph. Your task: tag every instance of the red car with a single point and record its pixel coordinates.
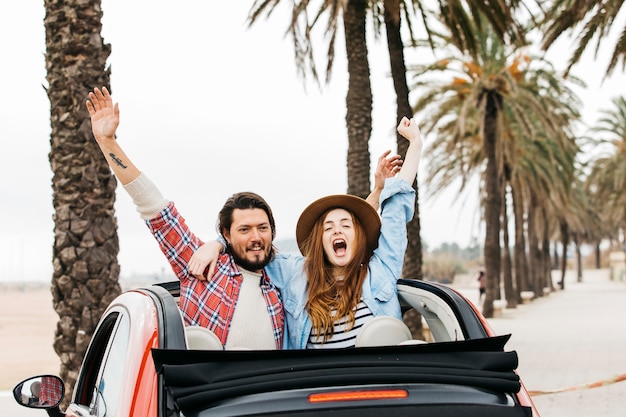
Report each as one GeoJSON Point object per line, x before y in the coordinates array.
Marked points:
{"type": "Point", "coordinates": [142, 361]}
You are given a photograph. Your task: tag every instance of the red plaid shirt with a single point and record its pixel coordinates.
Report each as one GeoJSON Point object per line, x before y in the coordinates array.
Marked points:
{"type": "Point", "coordinates": [51, 391]}
{"type": "Point", "coordinates": [209, 303]}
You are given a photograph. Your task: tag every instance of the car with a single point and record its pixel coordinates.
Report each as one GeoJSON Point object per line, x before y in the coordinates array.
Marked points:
{"type": "Point", "coordinates": [143, 361]}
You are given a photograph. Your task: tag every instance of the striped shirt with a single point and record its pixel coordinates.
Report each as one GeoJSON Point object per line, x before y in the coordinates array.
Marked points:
{"type": "Point", "coordinates": [343, 336]}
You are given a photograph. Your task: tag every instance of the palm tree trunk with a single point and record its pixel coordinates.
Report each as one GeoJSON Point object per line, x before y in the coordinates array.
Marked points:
{"type": "Point", "coordinates": [358, 99]}
{"type": "Point", "coordinates": [493, 200]}
{"type": "Point", "coordinates": [412, 267]}
{"type": "Point", "coordinates": [520, 260]}
{"type": "Point", "coordinates": [565, 243]}
{"type": "Point", "coordinates": [86, 271]}
{"type": "Point", "coordinates": [545, 252]}
{"type": "Point", "coordinates": [413, 258]}
{"type": "Point", "coordinates": [507, 275]}
{"type": "Point", "coordinates": [556, 257]}
{"type": "Point", "coordinates": [533, 245]}
{"type": "Point", "coordinates": [579, 258]}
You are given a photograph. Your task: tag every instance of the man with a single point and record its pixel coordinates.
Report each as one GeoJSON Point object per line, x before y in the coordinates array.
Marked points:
{"type": "Point", "coordinates": [238, 303]}
{"type": "Point", "coordinates": [482, 285]}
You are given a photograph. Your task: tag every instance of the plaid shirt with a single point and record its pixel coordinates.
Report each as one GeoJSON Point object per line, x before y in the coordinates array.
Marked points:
{"type": "Point", "coordinates": [209, 303]}
{"type": "Point", "coordinates": [51, 391]}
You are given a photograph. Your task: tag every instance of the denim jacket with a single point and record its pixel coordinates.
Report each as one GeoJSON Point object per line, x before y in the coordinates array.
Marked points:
{"type": "Point", "coordinates": [286, 271]}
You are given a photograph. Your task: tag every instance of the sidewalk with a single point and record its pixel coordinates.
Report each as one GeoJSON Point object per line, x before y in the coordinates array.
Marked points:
{"type": "Point", "coordinates": [570, 339]}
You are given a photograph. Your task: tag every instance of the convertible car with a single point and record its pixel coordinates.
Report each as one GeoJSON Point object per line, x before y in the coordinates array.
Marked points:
{"type": "Point", "coordinates": [143, 361]}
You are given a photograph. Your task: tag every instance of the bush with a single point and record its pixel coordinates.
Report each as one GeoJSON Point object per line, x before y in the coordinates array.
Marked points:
{"type": "Point", "coordinates": [442, 268]}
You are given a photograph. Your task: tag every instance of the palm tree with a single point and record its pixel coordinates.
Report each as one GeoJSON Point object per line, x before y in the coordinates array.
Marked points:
{"type": "Point", "coordinates": [607, 179]}
{"type": "Point", "coordinates": [474, 100]}
{"type": "Point", "coordinates": [86, 270]}
{"type": "Point", "coordinates": [595, 17]}
{"type": "Point", "coordinates": [552, 206]}
{"type": "Point", "coordinates": [458, 21]}
{"type": "Point", "coordinates": [496, 102]}
{"type": "Point", "coordinates": [583, 222]}
{"type": "Point", "coordinates": [458, 18]}
{"type": "Point", "coordinates": [392, 13]}
{"type": "Point", "coordinates": [520, 257]}
{"type": "Point", "coordinates": [359, 98]}
{"type": "Point", "coordinates": [544, 159]}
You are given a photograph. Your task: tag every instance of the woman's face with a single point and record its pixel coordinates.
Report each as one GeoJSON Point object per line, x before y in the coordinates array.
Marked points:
{"type": "Point", "coordinates": [338, 237]}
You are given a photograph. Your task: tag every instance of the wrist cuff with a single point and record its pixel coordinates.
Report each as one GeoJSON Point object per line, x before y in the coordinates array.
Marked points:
{"type": "Point", "coordinates": [146, 196]}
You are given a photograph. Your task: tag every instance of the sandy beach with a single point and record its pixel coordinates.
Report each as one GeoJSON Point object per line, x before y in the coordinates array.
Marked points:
{"type": "Point", "coordinates": [27, 324]}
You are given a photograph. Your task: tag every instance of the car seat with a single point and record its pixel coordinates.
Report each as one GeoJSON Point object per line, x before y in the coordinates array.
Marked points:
{"type": "Point", "coordinates": [201, 338]}
{"type": "Point", "coordinates": [383, 331]}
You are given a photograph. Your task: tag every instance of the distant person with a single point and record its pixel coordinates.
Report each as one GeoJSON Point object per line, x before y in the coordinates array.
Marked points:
{"type": "Point", "coordinates": [482, 285]}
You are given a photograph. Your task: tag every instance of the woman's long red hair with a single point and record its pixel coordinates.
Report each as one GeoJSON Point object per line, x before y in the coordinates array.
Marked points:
{"type": "Point", "coordinates": [325, 292]}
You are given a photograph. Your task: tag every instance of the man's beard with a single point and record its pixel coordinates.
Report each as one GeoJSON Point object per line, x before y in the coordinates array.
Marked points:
{"type": "Point", "coordinates": [251, 265]}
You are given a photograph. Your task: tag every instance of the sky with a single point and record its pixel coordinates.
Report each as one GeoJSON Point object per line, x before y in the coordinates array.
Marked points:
{"type": "Point", "coordinates": [209, 107]}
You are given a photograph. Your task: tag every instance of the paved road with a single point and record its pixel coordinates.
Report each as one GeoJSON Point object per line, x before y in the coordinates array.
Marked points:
{"type": "Point", "coordinates": [571, 338]}
{"type": "Point", "coordinates": [568, 339]}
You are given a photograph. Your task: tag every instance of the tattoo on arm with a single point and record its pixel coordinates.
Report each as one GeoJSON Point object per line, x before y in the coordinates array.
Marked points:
{"type": "Point", "coordinates": [117, 160]}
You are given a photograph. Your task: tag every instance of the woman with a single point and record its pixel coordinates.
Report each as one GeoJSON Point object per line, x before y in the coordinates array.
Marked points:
{"type": "Point", "coordinates": [352, 259]}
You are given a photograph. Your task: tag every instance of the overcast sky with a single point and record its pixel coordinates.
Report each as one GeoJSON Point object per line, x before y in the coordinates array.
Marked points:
{"type": "Point", "coordinates": [208, 108]}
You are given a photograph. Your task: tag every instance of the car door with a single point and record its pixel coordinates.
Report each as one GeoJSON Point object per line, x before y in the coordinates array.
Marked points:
{"type": "Point", "coordinates": [117, 377]}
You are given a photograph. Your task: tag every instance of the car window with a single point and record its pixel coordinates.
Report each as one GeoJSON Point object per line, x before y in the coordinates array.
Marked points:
{"type": "Point", "coordinates": [110, 383]}
{"type": "Point", "coordinates": [92, 363]}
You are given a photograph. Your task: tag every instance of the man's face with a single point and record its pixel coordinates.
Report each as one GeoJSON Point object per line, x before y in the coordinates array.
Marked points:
{"type": "Point", "coordinates": [250, 238]}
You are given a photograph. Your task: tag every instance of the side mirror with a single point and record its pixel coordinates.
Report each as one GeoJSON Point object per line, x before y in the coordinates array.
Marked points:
{"type": "Point", "coordinates": [43, 391]}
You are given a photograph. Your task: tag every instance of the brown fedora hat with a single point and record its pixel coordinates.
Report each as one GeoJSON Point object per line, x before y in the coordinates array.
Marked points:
{"type": "Point", "coordinates": [360, 208]}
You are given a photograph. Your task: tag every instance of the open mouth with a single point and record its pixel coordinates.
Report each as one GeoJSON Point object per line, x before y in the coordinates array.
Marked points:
{"type": "Point", "coordinates": [339, 246]}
